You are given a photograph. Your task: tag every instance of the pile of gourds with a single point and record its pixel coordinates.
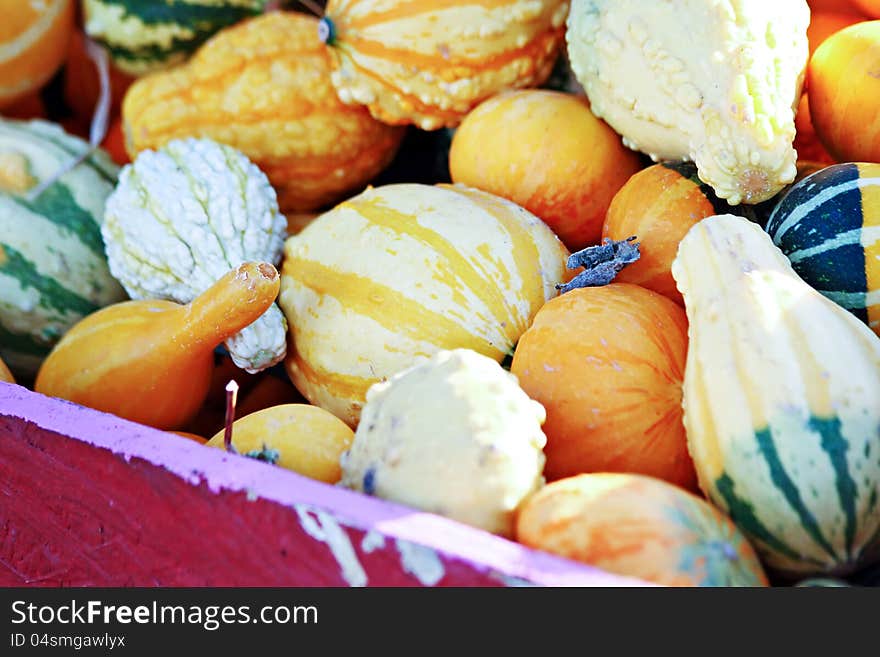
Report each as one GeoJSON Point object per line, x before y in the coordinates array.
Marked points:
{"type": "Point", "coordinates": [631, 317]}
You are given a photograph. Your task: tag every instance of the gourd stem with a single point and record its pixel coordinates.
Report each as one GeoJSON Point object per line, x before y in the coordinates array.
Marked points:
{"type": "Point", "coordinates": [327, 31]}
{"type": "Point", "coordinates": [601, 263]}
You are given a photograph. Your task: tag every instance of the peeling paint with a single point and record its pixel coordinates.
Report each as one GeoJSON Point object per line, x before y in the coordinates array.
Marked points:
{"type": "Point", "coordinates": [420, 562]}
{"type": "Point", "coordinates": [323, 527]}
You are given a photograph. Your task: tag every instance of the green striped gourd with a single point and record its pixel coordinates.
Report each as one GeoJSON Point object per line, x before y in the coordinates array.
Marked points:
{"type": "Point", "coordinates": [828, 225]}
{"type": "Point", "coordinates": [400, 272]}
{"type": "Point", "coordinates": [782, 402]}
{"type": "Point", "coordinates": [53, 270]}
{"type": "Point", "coordinates": [149, 35]}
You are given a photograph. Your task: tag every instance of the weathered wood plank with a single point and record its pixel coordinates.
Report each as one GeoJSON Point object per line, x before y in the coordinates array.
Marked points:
{"type": "Point", "coordinates": [88, 499]}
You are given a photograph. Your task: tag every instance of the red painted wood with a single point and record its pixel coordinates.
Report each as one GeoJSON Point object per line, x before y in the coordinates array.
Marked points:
{"type": "Point", "coordinates": [87, 499]}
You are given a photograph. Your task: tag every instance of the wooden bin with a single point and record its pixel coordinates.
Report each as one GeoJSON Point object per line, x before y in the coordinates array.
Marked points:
{"type": "Point", "coordinates": [89, 499]}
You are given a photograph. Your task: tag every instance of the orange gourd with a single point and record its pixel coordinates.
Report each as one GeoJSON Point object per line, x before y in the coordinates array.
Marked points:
{"type": "Point", "coordinates": [658, 205]}
{"type": "Point", "coordinates": [545, 151]}
{"type": "Point", "coordinates": [5, 374]}
{"type": "Point", "coordinates": [825, 23]}
{"type": "Point", "coordinates": [269, 390]}
{"type": "Point", "coordinates": [114, 143]}
{"type": "Point", "coordinates": [25, 108]}
{"type": "Point", "coordinates": [82, 86]}
{"type": "Point", "coordinates": [33, 44]}
{"type": "Point", "coordinates": [191, 436]}
{"type": "Point", "coordinates": [869, 8]}
{"type": "Point", "coordinates": [639, 527]}
{"type": "Point", "coordinates": [806, 142]}
{"type": "Point", "coordinates": [263, 86]}
{"type": "Point", "coordinates": [607, 363]}
{"type": "Point", "coordinates": [843, 83]}
{"type": "Point", "coordinates": [151, 361]}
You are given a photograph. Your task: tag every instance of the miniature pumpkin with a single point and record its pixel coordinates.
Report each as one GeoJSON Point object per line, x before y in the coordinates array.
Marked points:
{"type": "Point", "coordinates": [298, 437]}
{"type": "Point", "coordinates": [825, 23]}
{"type": "Point", "coordinates": [547, 152]}
{"type": "Point", "coordinates": [394, 275]}
{"type": "Point", "coordinates": [844, 89]}
{"type": "Point", "coordinates": [640, 527]}
{"type": "Point", "coordinates": [607, 363]}
{"type": "Point", "coordinates": [717, 88]}
{"type": "Point", "coordinates": [429, 62]}
{"type": "Point", "coordinates": [5, 374]}
{"type": "Point", "coordinates": [33, 44]}
{"type": "Point", "coordinates": [182, 216]}
{"type": "Point", "coordinates": [53, 268]}
{"type": "Point", "coordinates": [148, 36]}
{"type": "Point", "coordinates": [151, 361]}
{"type": "Point", "coordinates": [263, 87]}
{"type": "Point", "coordinates": [780, 396]}
{"type": "Point", "coordinates": [867, 7]}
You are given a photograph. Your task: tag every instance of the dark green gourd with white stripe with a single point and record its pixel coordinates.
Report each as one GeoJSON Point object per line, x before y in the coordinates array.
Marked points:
{"type": "Point", "coordinates": [149, 35]}
{"type": "Point", "coordinates": [782, 402]}
{"type": "Point", "coordinates": [828, 225]}
{"type": "Point", "coordinates": [53, 269]}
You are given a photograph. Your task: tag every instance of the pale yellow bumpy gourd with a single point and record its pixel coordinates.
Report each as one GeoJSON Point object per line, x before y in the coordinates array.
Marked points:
{"type": "Point", "coordinates": [781, 400]}
{"type": "Point", "coordinates": [713, 81]}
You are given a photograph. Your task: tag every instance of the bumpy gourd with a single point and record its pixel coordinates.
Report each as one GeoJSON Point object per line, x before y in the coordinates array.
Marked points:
{"type": "Point", "coordinates": [454, 435]}
{"type": "Point", "coordinates": [151, 361]}
{"type": "Point", "coordinates": [713, 81]}
{"type": "Point", "coordinates": [182, 216]}
{"type": "Point", "coordinates": [429, 62]}
{"type": "Point", "coordinates": [396, 274]}
{"type": "Point", "coordinates": [33, 43]}
{"type": "Point", "coordinates": [148, 36]}
{"type": "Point", "coordinates": [263, 86]}
{"type": "Point", "coordinates": [53, 270]}
{"type": "Point", "coordinates": [781, 400]}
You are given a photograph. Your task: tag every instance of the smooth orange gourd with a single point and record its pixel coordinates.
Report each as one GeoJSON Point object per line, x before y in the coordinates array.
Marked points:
{"type": "Point", "coordinates": [151, 361]}
{"type": "Point", "coordinates": [33, 44]}
{"type": "Point", "coordinates": [843, 83]}
{"type": "Point", "coordinates": [545, 151]}
{"type": "Point", "coordinates": [869, 8]}
{"type": "Point", "coordinates": [607, 363]}
{"type": "Point", "coordinates": [825, 23]}
{"type": "Point", "coordinates": [82, 86]}
{"type": "Point", "coordinates": [806, 142]}
{"type": "Point", "coordinates": [5, 374]}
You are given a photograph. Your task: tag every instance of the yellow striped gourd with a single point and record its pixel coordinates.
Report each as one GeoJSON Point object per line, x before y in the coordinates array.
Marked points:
{"type": "Point", "coordinates": [398, 273]}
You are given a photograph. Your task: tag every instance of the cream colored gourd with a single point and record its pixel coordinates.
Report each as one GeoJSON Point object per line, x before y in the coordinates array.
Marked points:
{"type": "Point", "coordinates": [713, 81]}
{"type": "Point", "coordinates": [184, 215]}
{"type": "Point", "coordinates": [781, 400]}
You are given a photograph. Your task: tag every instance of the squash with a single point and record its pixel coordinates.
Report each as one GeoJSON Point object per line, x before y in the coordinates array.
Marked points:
{"type": "Point", "coordinates": [5, 374]}
{"type": "Point", "coordinates": [25, 108]}
{"type": "Point", "coordinates": [607, 364]}
{"type": "Point", "coordinates": [190, 436]}
{"type": "Point", "coordinates": [641, 527]}
{"type": "Point", "coordinates": [298, 437]}
{"type": "Point", "coordinates": [806, 141]}
{"type": "Point", "coordinates": [82, 85]}
{"type": "Point", "coordinates": [825, 23]}
{"type": "Point", "coordinates": [844, 90]}
{"type": "Point", "coordinates": [184, 215]}
{"type": "Point", "coordinates": [454, 435]}
{"type": "Point", "coordinates": [33, 44]}
{"type": "Point", "coordinates": [151, 361]}
{"type": "Point", "coordinates": [827, 226]}
{"type": "Point", "coordinates": [400, 272]}
{"type": "Point", "coordinates": [114, 143]}
{"type": "Point", "coordinates": [709, 81]}
{"type": "Point", "coordinates": [429, 62]}
{"type": "Point", "coordinates": [780, 399]}
{"type": "Point", "coordinates": [142, 37]}
{"type": "Point", "coordinates": [53, 269]}
{"type": "Point", "coordinates": [869, 8]}
{"type": "Point", "coordinates": [263, 87]}
{"type": "Point", "coordinates": [547, 152]}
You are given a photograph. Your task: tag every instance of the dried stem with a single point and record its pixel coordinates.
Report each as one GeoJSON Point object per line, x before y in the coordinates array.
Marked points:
{"type": "Point", "coordinates": [231, 400]}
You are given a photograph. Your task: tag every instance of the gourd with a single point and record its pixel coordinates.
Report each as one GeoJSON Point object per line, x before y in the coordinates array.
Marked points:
{"type": "Point", "coordinates": [868, 7]}
{"type": "Point", "coordinates": [429, 62]}
{"type": "Point", "coordinates": [825, 23]}
{"type": "Point", "coordinates": [5, 374]}
{"type": "Point", "coordinates": [547, 152]}
{"type": "Point", "coordinates": [151, 361]}
{"type": "Point", "coordinates": [641, 527]}
{"type": "Point", "coordinates": [844, 92]}
{"type": "Point", "coordinates": [400, 272]}
{"type": "Point", "coordinates": [53, 269]}
{"type": "Point", "coordinates": [182, 216]}
{"type": "Point", "coordinates": [142, 37]}
{"type": "Point", "coordinates": [780, 402]}
{"type": "Point", "coordinates": [82, 82]}
{"type": "Point", "coordinates": [33, 44]}
{"type": "Point", "coordinates": [607, 364]}
{"type": "Point", "coordinates": [826, 226]}
{"type": "Point", "coordinates": [298, 437]}
{"type": "Point", "coordinates": [263, 87]}
{"type": "Point", "coordinates": [454, 435]}
{"type": "Point", "coordinates": [806, 141]}
{"type": "Point", "coordinates": [712, 81]}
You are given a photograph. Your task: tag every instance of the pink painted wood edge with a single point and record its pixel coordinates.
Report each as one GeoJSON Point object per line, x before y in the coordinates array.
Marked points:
{"type": "Point", "coordinates": [221, 471]}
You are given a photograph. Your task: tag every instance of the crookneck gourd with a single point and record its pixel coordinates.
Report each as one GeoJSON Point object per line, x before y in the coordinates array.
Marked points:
{"type": "Point", "coordinates": [429, 62]}
{"type": "Point", "coordinates": [182, 216]}
{"type": "Point", "coordinates": [713, 81]}
{"type": "Point", "coordinates": [263, 86]}
{"type": "Point", "coordinates": [781, 401]}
